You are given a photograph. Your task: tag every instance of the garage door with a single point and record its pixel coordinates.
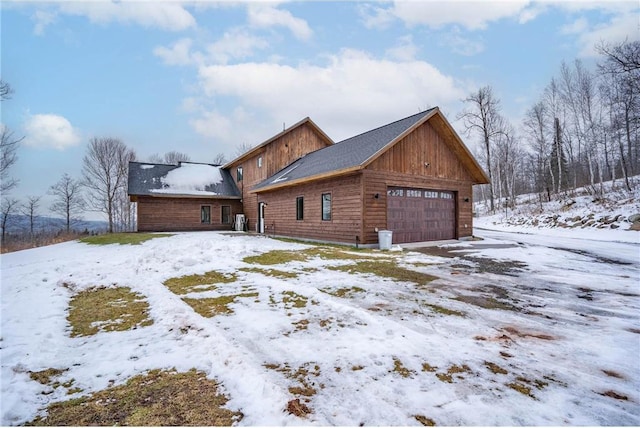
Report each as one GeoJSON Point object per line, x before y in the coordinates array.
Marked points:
{"type": "Point", "coordinates": [416, 215]}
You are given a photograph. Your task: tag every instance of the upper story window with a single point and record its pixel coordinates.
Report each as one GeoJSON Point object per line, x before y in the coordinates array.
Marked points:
{"type": "Point", "coordinates": [239, 174]}
{"type": "Point", "coordinates": [326, 206]}
{"type": "Point", "coordinates": [259, 161]}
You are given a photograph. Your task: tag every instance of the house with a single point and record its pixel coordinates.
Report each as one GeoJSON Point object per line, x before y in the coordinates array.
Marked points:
{"type": "Point", "coordinates": [413, 177]}
{"type": "Point", "coordinates": [187, 196]}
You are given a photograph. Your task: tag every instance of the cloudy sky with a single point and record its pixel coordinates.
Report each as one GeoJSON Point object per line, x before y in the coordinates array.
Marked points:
{"type": "Point", "coordinates": [203, 77]}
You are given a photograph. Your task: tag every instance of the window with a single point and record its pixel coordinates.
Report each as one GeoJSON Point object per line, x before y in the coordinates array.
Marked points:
{"type": "Point", "coordinates": [446, 195]}
{"type": "Point", "coordinates": [430, 194]}
{"type": "Point", "coordinates": [239, 174]}
{"type": "Point", "coordinates": [260, 162]}
{"type": "Point", "coordinates": [299, 208]}
{"type": "Point", "coordinates": [205, 214]}
{"type": "Point", "coordinates": [395, 192]}
{"type": "Point", "coordinates": [414, 193]}
{"type": "Point", "coordinates": [326, 206]}
{"type": "Point", "coordinates": [226, 214]}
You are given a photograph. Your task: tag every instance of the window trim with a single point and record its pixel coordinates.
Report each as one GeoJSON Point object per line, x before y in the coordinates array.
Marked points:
{"type": "Point", "coordinates": [222, 207]}
{"type": "Point", "coordinates": [300, 208]}
{"type": "Point", "coordinates": [323, 199]}
{"type": "Point", "coordinates": [205, 219]}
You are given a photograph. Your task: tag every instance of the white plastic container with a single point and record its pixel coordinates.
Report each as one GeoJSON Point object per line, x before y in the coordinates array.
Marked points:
{"type": "Point", "coordinates": [385, 237]}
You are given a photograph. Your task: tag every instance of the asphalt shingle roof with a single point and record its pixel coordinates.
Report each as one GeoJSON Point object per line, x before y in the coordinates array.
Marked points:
{"type": "Point", "coordinates": [352, 152]}
{"type": "Point", "coordinates": [148, 179]}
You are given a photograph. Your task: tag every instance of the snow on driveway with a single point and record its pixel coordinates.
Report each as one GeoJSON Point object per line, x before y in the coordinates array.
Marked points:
{"type": "Point", "coordinates": [510, 334]}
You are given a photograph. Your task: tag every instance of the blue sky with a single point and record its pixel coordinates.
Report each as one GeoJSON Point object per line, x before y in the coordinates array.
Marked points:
{"type": "Point", "coordinates": [204, 77]}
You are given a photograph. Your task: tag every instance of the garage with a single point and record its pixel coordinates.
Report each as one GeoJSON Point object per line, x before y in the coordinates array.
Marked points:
{"type": "Point", "coordinates": [416, 215]}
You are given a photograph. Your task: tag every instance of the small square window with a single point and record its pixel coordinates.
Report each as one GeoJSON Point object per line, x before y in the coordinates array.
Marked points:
{"type": "Point", "coordinates": [299, 208]}
{"type": "Point", "coordinates": [226, 214]}
{"type": "Point", "coordinates": [205, 214]}
{"type": "Point", "coordinates": [326, 206]}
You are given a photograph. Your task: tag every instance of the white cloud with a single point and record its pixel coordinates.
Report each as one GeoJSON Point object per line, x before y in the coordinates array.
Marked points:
{"type": "Point", "coordinates": [473, 15]}
{"type": "Point", "coordinates": [50, 131]}
{"type": "Point", "coordinates": [235, 44]}
{"type": "Point", "coordinates": [352, 84]}
{"type": "Point", "coordinates": [172, 16]}
{"type": "Point", "coordinates": [462, 45]}
{"type": "Point", "coordinates": [405, 50]}
{"type": "Point", "coordinates": [266, 15]}
{"type": "Point", "coordinates": [179, 53]}
{"type": "Point", "coordinates": [618, 29]}
{"type": "Point", "coordinates": [576, 27]}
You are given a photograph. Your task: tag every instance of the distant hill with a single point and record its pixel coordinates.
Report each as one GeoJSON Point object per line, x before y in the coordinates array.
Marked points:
{"type": "Point", "coordinates": [20, 223]}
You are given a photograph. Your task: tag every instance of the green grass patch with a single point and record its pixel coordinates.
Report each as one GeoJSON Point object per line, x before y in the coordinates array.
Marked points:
{"type": "Point", "coordinates": [344, 292]}
{"type": "Point", "coordinates": [272, 272]}
{"type": "Point", "coordinates": [192, 283]}
{"type": "Point", "coordinates": [399, 368]}
{"type": "Point", "coordinates": [130, 238]}
{"type": "Point", "coordinates": [212, 306]}
{"type": "Point", "coordinates": [159, 398]}
{"type": "Point", "coordinates": [107, 309]}
{"type": "Point", "coordinates": [388, 269]}
{"type": "Point", "coordinates": [45, 377]}
{"type": "Point", "coordinates": [276, 257]}
{"type": "Point", "coordinates": [293, 300]}
{"type": "Point", "coordinates": [444, 311]}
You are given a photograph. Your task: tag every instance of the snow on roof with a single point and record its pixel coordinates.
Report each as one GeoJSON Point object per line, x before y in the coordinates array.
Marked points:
{"type": "Point", "coordinates": [190, 177]}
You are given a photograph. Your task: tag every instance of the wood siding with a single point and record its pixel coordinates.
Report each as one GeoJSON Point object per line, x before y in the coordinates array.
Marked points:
{"type": "Point", "coordinates": [182, 214]}
{"type": "Point", "coordinates": [346, 210]}
{"type": "Point", "coordinates": [275, 156]}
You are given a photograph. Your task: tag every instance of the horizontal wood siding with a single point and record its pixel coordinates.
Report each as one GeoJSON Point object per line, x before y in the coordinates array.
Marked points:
{"type": "Point", "coordinates": [180, 214]}
{"type": "Point", "coordinates": [275, 156]}
{"type": "Point", "coordinates": [346, 210]}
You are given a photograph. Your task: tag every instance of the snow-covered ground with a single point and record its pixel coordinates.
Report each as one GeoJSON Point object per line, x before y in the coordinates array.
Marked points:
{"type": "Point", "coordinates": [561, 323]}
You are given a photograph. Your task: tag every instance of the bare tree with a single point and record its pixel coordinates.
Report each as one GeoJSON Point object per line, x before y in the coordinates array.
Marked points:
{"type": "Point", "coordinates": [105, 172]}
{"type": "Point", "coordinates": [219, 159]}
{"type": "Point", "coordinates": [30, 209]}
{"type": "Point", "coordinates": [174, 157]}
{"type": "Point", "coordinates": [483, 118]}
{"type": "Point", "coordinates": [155, 158]}
{"type": "Point", "coordinates": [5, 90]}
{"type": "Point", "coordinates": [242, 148]}
{"type": "Point", "coordinates": [69, 201]}
{"type": "Point", "coordinates": [8, 146]}
{"type": "Point", "coordinates": [7, 208]}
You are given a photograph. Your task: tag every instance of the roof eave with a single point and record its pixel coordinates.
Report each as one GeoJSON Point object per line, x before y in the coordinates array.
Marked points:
{"type": "Point", "coordinates": [182, 196]}
{"type": "Point", "coordinates": [303, 180]}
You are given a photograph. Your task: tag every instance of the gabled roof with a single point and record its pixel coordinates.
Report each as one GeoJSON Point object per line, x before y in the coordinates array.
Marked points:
{"type": "Point", "coordinates": [257, 148]}
{"type": "Point", "coordinates": [357, 152]}
{"type": "Point", "coordinates": [187, 179]}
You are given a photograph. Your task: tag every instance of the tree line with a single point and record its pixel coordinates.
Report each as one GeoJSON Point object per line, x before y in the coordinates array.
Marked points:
{"type": "Point", "coordinates": [582, 131]}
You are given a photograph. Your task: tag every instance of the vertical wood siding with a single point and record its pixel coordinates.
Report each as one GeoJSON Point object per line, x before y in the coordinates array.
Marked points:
{"type": "Point", "coordinates": [275, 156]}
{"type": "Point", "coordinates": [178, 214]}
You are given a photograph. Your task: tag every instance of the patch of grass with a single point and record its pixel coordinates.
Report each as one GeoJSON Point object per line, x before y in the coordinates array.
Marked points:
{"type": "Point", "coordinates": [45, 376]}
{"type": "Point", "coordinates": [271, 272]}
{"type": "Point", "coordinates": [612, 373]}
{"type": "Point", "coordinates": [452, 370]}
{"type": "Point", "coordinates": [494, 368]}
{"type": "Point", "coordinates": [301, 325]}
{"type": "Point", "coordinates": [426, 367]}
{"type": "Point", "coordinates": [131, 238]}
{"type": "Point", "coordinates": [344, 292]}
{"type": "Point", "coordinates": [212, 306]}
{"type": "Point", "coordinates": [615, 395]}
{"type": "Point", "coordinates": [295, 407]}
{"type": "Point", "coordinates": [388, 269]}
{"type": "Point", "coordinates": [293, 300]}
{"type": "Point", "coordinates": [444, 311]}
{"type": "Point", "coordinates": [205, 282]}
{"type": "Point", "coordinates": [522, 389]}
{"type": "Point", "coordinates": [399, 368]}
{"type": "Point", "coordinates": [154, 399]}
{"type": "Point", "coordinates": [276, 257]}
{"type": "Point", "coordinates": [301, 375]}
{"type": "Point", "coordinates": [427, 422]}
{"type": "Point", "coordinates": [357, 368]}
{"type": "Point", "coordinates": [107, 309]}
{"type": "Point", "coordinates": [328, 252]}
{"type": "Point", "coordinates": [487, 303]}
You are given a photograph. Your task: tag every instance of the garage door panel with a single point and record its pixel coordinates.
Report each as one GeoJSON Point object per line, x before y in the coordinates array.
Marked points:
{"type": "Point", "coordinates": [416, 215]}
